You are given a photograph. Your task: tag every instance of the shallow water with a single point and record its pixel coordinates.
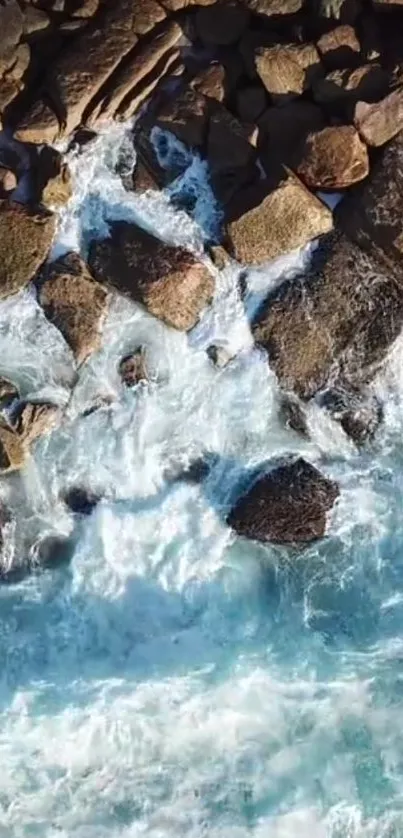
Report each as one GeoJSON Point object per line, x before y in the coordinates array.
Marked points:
{"type": "Point", "coordinates": [175, 680]}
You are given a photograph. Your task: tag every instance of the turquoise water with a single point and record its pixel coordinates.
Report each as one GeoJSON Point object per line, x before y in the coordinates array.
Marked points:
{"type": "Point", "coordinates": [175, 681]}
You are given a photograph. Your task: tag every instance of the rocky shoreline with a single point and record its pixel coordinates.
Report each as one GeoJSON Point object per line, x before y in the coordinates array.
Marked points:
{"type": "Point", "coordinates": [289, 102]}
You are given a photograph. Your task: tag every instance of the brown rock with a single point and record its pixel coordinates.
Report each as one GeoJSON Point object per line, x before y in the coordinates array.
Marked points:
{"type": "Point", "coordinates": [36, 419]}
{"type": "Point", "coordinates": [11, 23]}
{"type": "Point", "coordinates": [35, 20]}
{"type": "Point", "coordinates": [170, 282]}
{"type": "Point", "coordinates": [288, 70]}
{"type": "Point", "coordinates": [86, 8]}
{"type": "Point", "coordinates": [373, 213]}
{"type": "Point", "coordinates": [380, 122]}
{"type": "Point", "coordinates": [344, 88]}
{"type": "Point", "coordinates": [52, 179]}
{"type": "Point", "coordinates": [168, 66]}
{"type": "Point", "coordinates": [219, 256]}
{"type": "Point", "coordinates": [13, 451]}
{"type": "Point", "coordinates": [267, 222]}
{"type": "Point", "coordinates": [287, 505]}
{"type": "Point", "coordinates": [79, 72]}
{"type": "Point", "coordinates": [25, 240]}
{"type": "Point", "coordinates": [231, 157]}
{"type": "Point", "coordinates": [133, 368]}
{"type": "Point", "coordinates": [292, 413]}
{"type": "Point", "coordinates": [75, 304]}
{"type": "Point", "coordinates": [338, 321]}
{"type": "Point", "coordinates": [251, 101]}
{"type": "Point", "coordinates": [8, 390]}
{"type": "Point", "coordinates": [211, 82]}
{"type": "Point", "coordinates": [334, 158]}
{"type": "Point", "coordinates": [223, 23]}
{"type": "Point", "coordinates": [346, 11]}
{"type": "Point", "coordinates": [275, 8]}
{"type": "Point", "coordinates": [186, 116]}
{"type": "Point", "coordinates": [387, 5]}
{"type": "Point", "coordinates": [8, 181]}
{"type": "Point", "coordinates": [339, 48]}
{"type": "Point", "coordinates": [143, 61]}
{"type": "Point", "coordinates": [283, 131]}
{"type": "Point", "coordinates": [143, 179]}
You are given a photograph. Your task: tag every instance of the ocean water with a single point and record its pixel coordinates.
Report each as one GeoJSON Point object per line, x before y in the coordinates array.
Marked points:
{"type": "Point", "coordinates": [173, 680]}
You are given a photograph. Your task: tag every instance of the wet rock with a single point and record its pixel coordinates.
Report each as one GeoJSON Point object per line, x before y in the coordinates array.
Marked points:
{"type": "Point", "coordinates": [287, 505]}
{"type": "Point", "coordinates": [143, 179]}
{"type": "Point", "coordinates": [52, 179]}
{"type": "Point", "coordinates": [292, 414]}
{"type": "Point", "coordinates": [219, 256]}
{"type": "Point", "coordinates": [13, 451]}
{"type": "Point", "coordinates": [170, 282]}
{"type": "Point", "coordinates": [380, 122]}
{"type": "Point", "coordinates": [338, 321]}
{"type": "Point", "coordinates": [35, 419]}
{"type": "Point", "coordinates": [79, 72]}
{"type": "Point", "coordinates": [334, 158]}
{"type": "Point", "coordinates": [344, 88]}
{"type": "Point", "coordinates": [80, 500]}
{"type": "Point", "coordinates": [52, 551]}
{"type": "Point", "coordinates": [133, 368]}
{"type": "Point", "coordinates": [186, 116]}
{"type": "Point", "coordinates": [75, 303]}
{"type": "Point", "coordinates": [8, 181]}
{"type": "Point", "coordinates": [283, 131]}
{"type": "Point", "coordinates": [266, 222]}
{"type": "Point", "coordinates": [339, 48]}
{"type": "Point", "coordinates": [25, 240]}
{"type": "Point", "coordinates": [211, 82]}
{"type": "Point", "coordinates": [288, 71]}
{"type": "Point", "coordinates": [251, 101]}
{"type": "Point", "coordinates": [359, 414]}
{"type": "Point", "coordinates": [8, 391]}
{"type": "Point", "coordinates": [231, 157]}
{"type": "Point", "coordinates": [374, 210]}
{"type": "Point", "coordinates": [223, 23]}
{"type": "Point", "coordinates": [220, 356]}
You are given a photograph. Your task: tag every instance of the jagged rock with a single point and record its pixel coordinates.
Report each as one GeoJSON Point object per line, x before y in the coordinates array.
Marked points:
{"type": "Point", "coordinates": [231, 157]}
{"type": "Point", "coordinates": [374, 211]}
{"type": "Point", "coordinates": [170, 65]}
{"type": "Point", "coordinates": [339, 48]}
{"type": "Point", "coordinates": [13, 451]}
{"type": "Point", "coordinates": [86, 8]}
{"type": "Point", "coordinates": [359, 414]}
{"type": "Point", "coordinates": [20, 63]}
{"type": "Point", "coordinates": [11, 23]}
{"type": "Point", "coordinates": [344, 88]}
{"type": "Point", "coordinates": [292, 414]}
{"type": "Point", "coordinates": [186, 116]}
{"type": "Point", "coordinates": [266, 222]}
{"type": "Point", "coordinates": [251, 101]}
{"type": "Point", "coordinates": [8, 391]}
{"type": "Point", "coordinates": [170, 282]}
{"type": "Point", "coordinates": [8, 181]}
{"type": "Point", "coordinates": [75, 303]}
{"type": "Point", "coordinates": [275, 8]}
{"type": "Point", "coordinates": [334, 158]}
{"type": "Point", "coordinates": [80, 500]}
{"type": "Point", "coordinates": [25, 240]}
{"type": "Point", "coordinates": [223, 23]}
{"type": "Point", "coordinates": [143, 67]}
{"type": "Point", "coordinates": [211, 82]}
{"type": "Point", "coordinates": [337, 321]}
{"type": "Point", "coordinates": [80, 71]}
{"type": "Point", "coordinates": [133, 368]}
{"type": "Point", "coordinates": [35, 419]}
{"type": "Point", "coordinates": [35, 20]}
{"type": "Point", "coordinates": [220, 356]}
{"type": "Point", "coordinates": [283, 131]}
{"type": "Point", "coordinates": [143, 179]}
{"type": "Point", "coordinates": [52, 178]}
{"type": "Point", "coordinates": [288, 70]}
{"type": "Point", "coordinates": [287, 505]}
{"type": "Point", "coordinates": [380, 122]}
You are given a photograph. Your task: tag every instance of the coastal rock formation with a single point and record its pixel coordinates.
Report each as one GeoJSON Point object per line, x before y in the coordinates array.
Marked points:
{"type": "Point", "coordinates": [339, 48]}
{"type": "Point", "coordinates": [286, 505]}
{"type": "Point", "coordinates": [25, 239]}
{"type": "Point", "coordinates": [133, 368]}
{"type": "Point", "coordinates": [170, 282]}
{"type": "Point", "coordinates": [333, 158]}
{"type": "Point", "coordinates": [75, 303]}
{"type": "Point", "coordinates": [36, 419]}
{"type": "Point", "coordinates": [13, 451]}
{"type": "Point", "coordinates": [380, 122]}
{"type": "Point", "coordinates": [288, 71]}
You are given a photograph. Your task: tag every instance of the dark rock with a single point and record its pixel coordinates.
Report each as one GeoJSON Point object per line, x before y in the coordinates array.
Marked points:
{"type": "Point", "coordinates": [168, 67]}
{"type": "Point", "coordinates": [25, 240]}
{"type": "Point", "coordinates": [339, 48]}
{"type": "Point", "coordinates": [170, 282]}
{"type": "Point", "coordinates": [380, 122]}
{"type": "Point", "coordinates": [287, 505]}
{"type": "Point", "coordinates": [283, 131]}
{"type": "Point", "coordinates": [359, 414]}
{"type": "Point", "coordinates": [220, 356]}
{"type": "Point", "coordinates": [334, 158]}
{"type": "Point", "coordinates": [143, 179]}
{"type": "Point", "coordinates": [223, 23]}
{"type": "Point", "coordinates": [266, 222]}
{"type": "Point", "coordinates": [52, 178]}
{"type": "Point", "coordinates": [345, 11]}
{"type": "Point", "coordinates": [337, 322]}
{"type": "Point", "coordinates": [80, 500]}
{"type": "Point", "coordinates": [231, 157]}
{"type": "Point", "coordinates": [251, 101]}
{"type": "Point", "coordinates": [133, 368]}
{"type": "Point", "coordinates": [51, 551]}
{"type": "Point", "coordinates": [288, 70]}
{"type": "Point", "coordinates": [75, 303]}
{"type": "Point", "coordinates": [186, 116]}
{"type": "Point", "coordinates": [292, 414]}
{"type": "Point", "coordinates": [342, 89]}
{"type": "Point", "coordinates": [211, 82]}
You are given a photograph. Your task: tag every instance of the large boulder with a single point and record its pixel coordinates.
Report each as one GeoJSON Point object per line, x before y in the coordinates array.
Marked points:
{"type": "Point", "coordinates": [287, 505]}
{"type": "Point", "coordinates": [336, 323]}
{"type": "Point", "coordinates": [266, 222]}
{"type": "Point", "coordinates": [186, 116]}
{"type": "Point", "coordinates": [169, 281]}
{"type": "Point", "coordinates": [25, 239]}
{"type": "Point", "coordinates": [223, 23]}
{"type": "Point", "coordinates": [287, 70]}
{"type": "Point", "coordinates": [374, 211]}
{"type": "Point", "coordinates": [334, 158]}
{"type": "Point", "coordinates": [380, 122]}
{"type": "Point", "coordinates": [230, 154]}
{"type": "Point", "coordinates": [75, 303]}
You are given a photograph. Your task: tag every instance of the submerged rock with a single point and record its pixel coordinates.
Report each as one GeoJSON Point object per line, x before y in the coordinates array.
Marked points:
{"type": "Point", "coordinates": [287, 505]}
{"type": "Point", "coordinates": [359, 414]}
{"type": "Point", "coordinates": [80, 500]}
{"type": "Point", "coordinates": [25, 239]}
{"type": "Point", "coordinates": [51, 551]}
{"type": "Point", "coordinates": [75, 303]}
{"type": "Point", "coordinates": [169, 281]}
{"type": "Point", "coordinates": [220, 356]}
{"type": "Point", "coordinates": [133, 368]}
{"type": "Point", "coordinates": [8, 391]}
{"type": "Point", "coordinates": [291, 412]}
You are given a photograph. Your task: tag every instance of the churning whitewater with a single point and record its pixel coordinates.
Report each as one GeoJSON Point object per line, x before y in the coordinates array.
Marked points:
{"type": "Point", "coordinates": [175, 680]}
